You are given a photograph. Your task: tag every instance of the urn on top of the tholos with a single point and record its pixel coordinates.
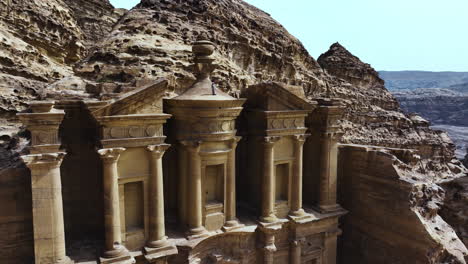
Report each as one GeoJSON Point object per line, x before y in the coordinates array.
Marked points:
{"type": "Point", "coordinates": [203, 128]}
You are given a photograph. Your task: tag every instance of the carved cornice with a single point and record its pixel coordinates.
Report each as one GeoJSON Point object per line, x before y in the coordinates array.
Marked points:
{"type": "Point", "coordinates": [51, 160]}
{"type": "Point", "coordinates": [110, 155]}
{"type": "Point", "coordinates": [157, 151]}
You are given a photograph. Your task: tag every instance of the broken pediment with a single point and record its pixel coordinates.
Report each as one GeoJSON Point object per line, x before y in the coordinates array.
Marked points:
{"type": "Point", "coordinates": [145, 100]}
{"type": "Point", "coordinates": [274, 96]}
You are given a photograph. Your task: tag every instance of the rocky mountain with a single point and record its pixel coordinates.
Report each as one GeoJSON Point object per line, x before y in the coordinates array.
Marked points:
{"type": "Point", "coordinates": [88, 50]}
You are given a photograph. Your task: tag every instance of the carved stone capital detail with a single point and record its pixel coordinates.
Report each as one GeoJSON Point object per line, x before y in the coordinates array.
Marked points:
{"type": "Point", "coordinates": [335, 135]}
{"type": "Point", "coordinates": [47, 159]}
{"type": "Point", "coordinates": [110, 155]}
{"type": "Point", "coordinates": [157, 151]}
{"type": "Point", "coordinates": [191, 145]}
{"type": "Point", "coordinates": [301, 138]}
{"type": "Point", "coordinates": [270, 141]}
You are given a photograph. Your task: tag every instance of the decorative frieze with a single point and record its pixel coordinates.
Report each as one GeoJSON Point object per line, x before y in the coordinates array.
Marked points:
{"type": "Point", "coordinates": [133, 131]}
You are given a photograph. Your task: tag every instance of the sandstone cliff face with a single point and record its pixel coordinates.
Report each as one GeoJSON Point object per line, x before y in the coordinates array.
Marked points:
{"type": "Point", "coordinates": [41, 40]}
{"type": "Point", "coordinates": [90, 56]}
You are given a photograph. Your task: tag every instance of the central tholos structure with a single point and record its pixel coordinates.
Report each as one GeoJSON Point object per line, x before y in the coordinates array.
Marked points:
{"type": "Point", "coordinates": [199, 178]}
{"type": "Point", "coordinates": [205, 138]}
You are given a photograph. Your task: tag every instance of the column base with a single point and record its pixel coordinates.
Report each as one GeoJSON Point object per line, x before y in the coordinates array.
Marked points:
{"type": "Point", "coordinates": [119, 255]}
{"type": "Point", "coordinates": [232, 225]}
{"type": "Point", "coordinates": [158, 243]}
{"type": "Point", "coordinates": [269, 219]}
{"type": "Point", "coordinates": [197, 232]}
{"type": "Point", "coordinates": [153, 254]}
{"type": "Point", "coordinates": [324, 209]}
{"type": "Point", "coordinates": [297, 213]}
{"type": "Point", "coordinates": [301, 218]}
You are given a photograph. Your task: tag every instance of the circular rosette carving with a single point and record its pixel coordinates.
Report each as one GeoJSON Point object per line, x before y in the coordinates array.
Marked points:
{"type": "Point", "coordinates": [277, 123]}
{"type": "Point", "coordinates": [42, 137]}
{"type": "Point", "coordinates": [226, 126]}
{"type": "Point", "coordinates": [298, 122]}
{"type": "Point", "coordinates": [118, 132]}
{"type": "Point", "coordinates": [135, 132]}
{"type": "Point", "coordinates": [152, 131]}
{"type": "Point", "coordinates": [288, 123]}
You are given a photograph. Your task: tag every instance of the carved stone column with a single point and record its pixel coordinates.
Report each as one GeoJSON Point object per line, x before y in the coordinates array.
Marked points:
{"type": "Point", "coordinates": [158, 244]}
{"type": "Point", "coordinates": [157, 233]}
{"type": "Point", "coordinates": [114, 250]}
{"type": "Point", "coordinates": [231, 220]}
{"type": "Point", "coordinates": [328, 172]}
{"type": "Point", "coordinates": [268, 184]}
{"type": "Point", "coordinates": [49, 234]}
{"type": "Point", "coordinates": [296, 181]}
{"type": "Point", "coordinates": [195, 213]}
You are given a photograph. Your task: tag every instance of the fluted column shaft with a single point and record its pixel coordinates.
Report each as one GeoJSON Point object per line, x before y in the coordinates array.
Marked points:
{"type": "Point", "coordinates": [113, 238]}
{"type": "Point", "coordinates": [230, 213]}
{"type": "Point", "coordinates": [296, 181]}
{"type": "Point", "coordinates": [195, 210]}
{"type": "Point", "coordinates": [268, 184]}
{"type": "Point", "coordinates": [48, 224]}
{"type": "Point", "coordinates": [157, 231]}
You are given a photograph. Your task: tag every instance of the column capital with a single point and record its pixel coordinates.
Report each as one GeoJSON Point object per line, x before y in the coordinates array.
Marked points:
{"type": "Point", "coordinates": [110, 155]}
{"type": "Point", "coordinates": [270, 141]}
{"type": "Point", "coordinates": [333, 135]}
{"type": "Point", "coordinates": [300, 138]}
{"type": "Point", "coordinates": [158, 150]}
{"type": "Point", "coordinates": [46, 160]}
{"type": "Point", "coordinates": [233, 141]}
{"type": "Point", "coordinates": [192, 145]}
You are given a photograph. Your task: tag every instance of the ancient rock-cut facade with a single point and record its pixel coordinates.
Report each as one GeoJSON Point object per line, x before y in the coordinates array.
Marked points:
{"type": "Point", "coordinates": [199, 178]}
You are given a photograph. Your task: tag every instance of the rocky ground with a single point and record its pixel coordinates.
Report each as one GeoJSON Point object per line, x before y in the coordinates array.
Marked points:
{"type": "Point", "coordinates": [87, 49]}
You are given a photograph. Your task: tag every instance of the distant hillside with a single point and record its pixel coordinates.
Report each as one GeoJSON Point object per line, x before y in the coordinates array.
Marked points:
{"type": "Point", "coordinates": [396, 80]}
{"type": "Point", "coordinates": [440, 97]}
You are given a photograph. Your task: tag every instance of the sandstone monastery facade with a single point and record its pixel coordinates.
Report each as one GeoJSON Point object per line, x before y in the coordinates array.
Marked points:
{"type": "Point", "coordinates": [202, 177]}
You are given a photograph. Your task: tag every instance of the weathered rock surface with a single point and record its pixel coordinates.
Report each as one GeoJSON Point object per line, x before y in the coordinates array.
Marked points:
{"type": "Point", "coordinates": [73, 49]}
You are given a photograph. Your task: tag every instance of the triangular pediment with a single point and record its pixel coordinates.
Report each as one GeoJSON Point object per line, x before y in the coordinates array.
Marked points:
{"type": "Point", "coordinates": [145, 100]}
{"type": "Point", "coordinates": [274, 96]}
